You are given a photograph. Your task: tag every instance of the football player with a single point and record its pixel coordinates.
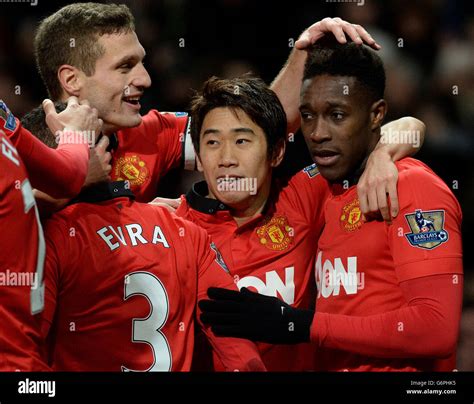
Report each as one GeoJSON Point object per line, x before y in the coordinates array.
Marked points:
{"type": "Point", "coordinates": [22, 242]}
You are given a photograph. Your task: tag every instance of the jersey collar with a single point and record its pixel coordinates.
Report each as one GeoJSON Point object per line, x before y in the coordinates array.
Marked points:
{"type": "Point", "coordinates": [113, 142]}
{"type": "Point", "coordinates": [198, 200]}
{"type": "Point", "coordinates": [104, 191]}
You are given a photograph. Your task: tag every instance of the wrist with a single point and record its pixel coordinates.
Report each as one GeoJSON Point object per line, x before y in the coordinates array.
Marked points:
{"type": "Point", "coordinates": [300, 325]}
{"type": "Point", "coordinates": [385, 151]}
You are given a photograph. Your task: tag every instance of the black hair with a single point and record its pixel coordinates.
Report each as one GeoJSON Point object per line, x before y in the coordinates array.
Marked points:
{"type": "Point", "coordinates": [327, 56]}
{"type": "Point", "coordinates": [35, 122]}
{"type": "Point", "coordinates": [249, 94]}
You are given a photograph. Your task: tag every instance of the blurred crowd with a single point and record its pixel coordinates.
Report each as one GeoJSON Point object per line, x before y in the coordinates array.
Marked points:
{"type": "Point", "coordinates": [427, 47]}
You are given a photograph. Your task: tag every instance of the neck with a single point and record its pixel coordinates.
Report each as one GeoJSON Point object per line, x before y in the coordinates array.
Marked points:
{"type": "Point", "coordinates": [355, 175]}
{"type": "Point", "coordinates": [243, 215]}
{"type": "Point", "coordinates": [250, 207]}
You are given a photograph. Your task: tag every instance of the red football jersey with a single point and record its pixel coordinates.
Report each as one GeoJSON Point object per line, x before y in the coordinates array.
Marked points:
{"type": "Point", "coordinates": [360, 266]}
{"type": "Point", "coordinates": [21, 265]}
{"type": "Point", "coordinates": [122, 282]}
{"type": "Point", "coordinates": [273, 254]}
{"type": "Point", "coordinates": [146, 153]}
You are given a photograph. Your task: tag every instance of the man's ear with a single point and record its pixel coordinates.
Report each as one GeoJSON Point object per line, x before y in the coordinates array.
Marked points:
{"type": "Point", "coordinates": [71, 79]}
{"type": "Point", "coordinates": [278, 153]}
{"type": "Point", "coordinates": [198, 163]}
{"type": "Point", "coordinates": [377, 114]}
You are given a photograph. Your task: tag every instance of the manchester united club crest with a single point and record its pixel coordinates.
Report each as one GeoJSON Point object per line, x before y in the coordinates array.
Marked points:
{"type": "Point", "coordinates": [351, 216]}
{"type": "Point", "coordinates": [276, 234]}
{"type": "Point", "coordinates": [132, 169]}
{"type": "Point", "coordinates": [427, 229]}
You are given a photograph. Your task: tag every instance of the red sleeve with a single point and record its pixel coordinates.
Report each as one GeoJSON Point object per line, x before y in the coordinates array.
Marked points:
{"type": "Point", "coordinates": [171, 131]}
{"type": "Point", "coordinates": [427, 257]}
{"type": "Point", "coordinates": [235, 354]}
{"type": "Point", "coordinates": [429, 249]}
{"type": "Point", "coordinates": [308, 191]}
{"type": "Point", "coordinates": [431, 318]}
{"type": "Point", "coordinates": [58, 251]}
{"type": "Point", "coordinates": [61, 172]}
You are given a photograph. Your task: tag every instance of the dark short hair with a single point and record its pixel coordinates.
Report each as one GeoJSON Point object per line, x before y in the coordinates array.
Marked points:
{"type": "Point", "coordinates": [249, 94]}
{"type": "Point", "coordinates": [35, 122]}
{"type": "Point", "coordinates": [330, 57]}
{"type": "Point", "coordinates": [70, 35]}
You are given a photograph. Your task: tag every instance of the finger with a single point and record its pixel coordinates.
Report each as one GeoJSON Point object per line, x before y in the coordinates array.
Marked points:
{"type": "Point", "coordinates": [102, 145]}
{"type": "Point", "coordinates": [383, 204]}
{"type": "Point", "coordinates": [336, 29]}
{"type": "Point", "coordinates": [223, 294]}
{"type": "Point", "coordinates": [393, 195]}
{"type": "Point", "coordinates": [163, 205]}
{"type": "Point", "coordinates": [247, 293]}
{"type": "Point", "coordinates": [219, 306]}
{"type": "Point", "coordinates": [107, 157]}
{"type": "Point", "coordinates": [353, 34]}
{"type": "Point", "coordinates": [235, 331]}
{"type": "Point", "coordinates": [303, 42]}
{"type": "Point", "coordinates": [157, 201]}
{"type": "Point", "coordinates": [84, 102]}
{"type": "Point", "coordinates": [220, 318]}
{"type": "Point", "coordinates": [373, 201]}
{"type": "Point", "coordinates": [48, 107]}
{"type": "Point", "coordinates": [175, 203]}
{"type": "Point", "coordinates": [366, 37]}
{"type": "Point", "coordinates": [339, 34]}
{"type": "Point", "coordinates": [73, 100]}
{"type": "Point", "coordinates": [363, 201]}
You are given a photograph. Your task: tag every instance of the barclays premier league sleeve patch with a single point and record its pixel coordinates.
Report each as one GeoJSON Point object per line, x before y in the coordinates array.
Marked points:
{"type": "Point", "coordinates": [427, 229]}
{"type": "Point", "coordinates": [7, 120]}
{"type": "Point", "coordinates": [219, 258]}
{"type": "Point", "coordinates": [312, 170]}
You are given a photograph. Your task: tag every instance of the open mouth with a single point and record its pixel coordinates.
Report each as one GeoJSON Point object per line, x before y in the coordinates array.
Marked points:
{"type": "Point", "coordinates": [325, 158]}
{"type": "Point", "coordinates": [134, 101]}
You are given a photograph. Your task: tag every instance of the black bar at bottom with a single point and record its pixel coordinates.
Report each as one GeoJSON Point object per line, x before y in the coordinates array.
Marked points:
{"type": "Point", "coordinates": [237, 387]}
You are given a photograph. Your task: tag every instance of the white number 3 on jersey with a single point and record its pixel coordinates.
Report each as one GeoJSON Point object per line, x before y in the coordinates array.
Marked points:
{"type": "Point", "coordinates": [147, 329]}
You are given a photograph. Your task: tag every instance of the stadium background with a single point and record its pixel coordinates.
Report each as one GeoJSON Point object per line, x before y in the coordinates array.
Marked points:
{"type": "Point", "coordinates": [428, 50]}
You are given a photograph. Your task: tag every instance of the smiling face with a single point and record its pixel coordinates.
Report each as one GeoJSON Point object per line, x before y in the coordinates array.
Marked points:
{"type": "Point", "coordinates": [118, 82]}
{"type": "Point", "coordinates": [340, 126]}
{"type": "Point", "coordinates": [234, 159]}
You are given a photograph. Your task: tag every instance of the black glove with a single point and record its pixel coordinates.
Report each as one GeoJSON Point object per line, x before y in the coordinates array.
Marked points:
{"type": "Point", "coordinates": [246, 314]}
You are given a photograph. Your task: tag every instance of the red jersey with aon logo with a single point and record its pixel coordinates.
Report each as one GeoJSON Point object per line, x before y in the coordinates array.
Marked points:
{"type": "Point", "coordinates": [272, 254]}
{"type": "Point", "coordinates": [390, 295]}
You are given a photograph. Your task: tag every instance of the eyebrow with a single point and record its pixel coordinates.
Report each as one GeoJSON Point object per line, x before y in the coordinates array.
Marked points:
{"type": "Point", "coordinates": [331, 104]}
{"type": "Point", "coordinates": [234, 130]}
{"type": "Point", "coordinates": [129, 58]}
